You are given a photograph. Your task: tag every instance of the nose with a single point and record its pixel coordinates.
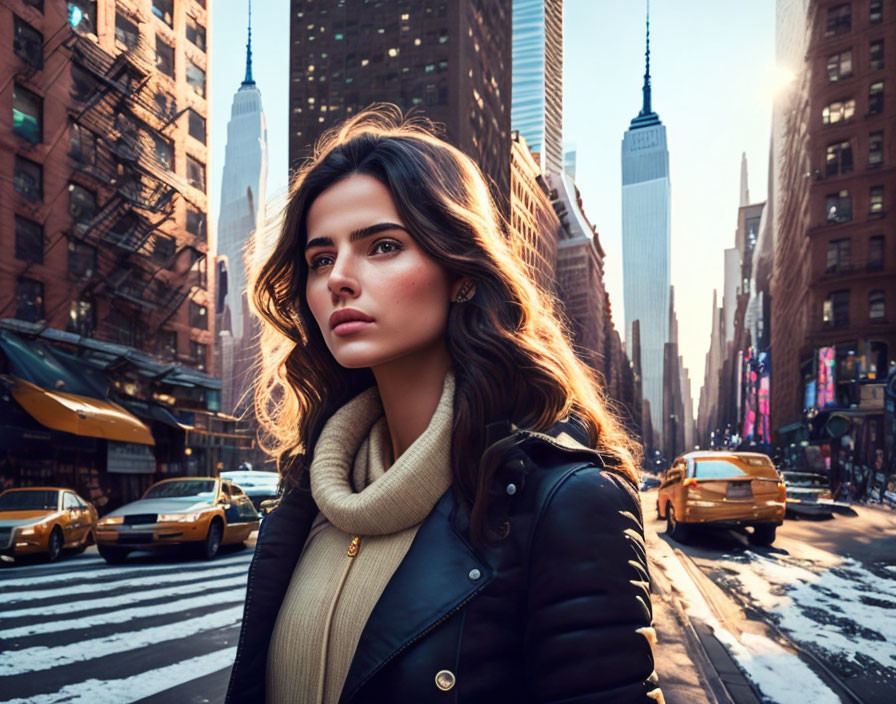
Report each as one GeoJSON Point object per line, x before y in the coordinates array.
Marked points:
{"type": "Point", "coordinates": [342, 279]}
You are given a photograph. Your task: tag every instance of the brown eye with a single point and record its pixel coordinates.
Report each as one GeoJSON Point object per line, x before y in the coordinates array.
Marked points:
{"type": "Point", "coordinates": [391, 244]}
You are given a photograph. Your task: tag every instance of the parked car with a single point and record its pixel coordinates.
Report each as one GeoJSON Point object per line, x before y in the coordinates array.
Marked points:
{"type": "Point", "coordinates": [648, 481]}
{"type": "Point", "coordinates": [808, 494]}
{"type": "Point", "coordinates": [730, 489]}
{"type": "Point", "coordinates": [258, 486]}
{"type": "Point", "coordinates": [199, 512]}
{"type": "Point", "coordinates": [45, 519]}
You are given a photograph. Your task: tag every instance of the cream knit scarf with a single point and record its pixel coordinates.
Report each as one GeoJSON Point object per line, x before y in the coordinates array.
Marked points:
{"type": "Point", "coordinates": [369, 517]}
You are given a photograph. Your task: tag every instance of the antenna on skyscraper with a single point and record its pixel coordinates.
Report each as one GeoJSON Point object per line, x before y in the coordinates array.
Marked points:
{"type": "Point", "coordinates": [646, 108]}
{"type": "Point", "coordinates": [248, 80]}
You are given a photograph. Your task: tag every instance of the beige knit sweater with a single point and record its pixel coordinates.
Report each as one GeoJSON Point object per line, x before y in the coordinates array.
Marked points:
{"type": "Point", "coordinates": [367, 521]}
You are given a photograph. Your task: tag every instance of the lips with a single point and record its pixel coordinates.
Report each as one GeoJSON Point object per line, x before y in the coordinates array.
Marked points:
{"type": "Point", "coordinates": [346, 315]}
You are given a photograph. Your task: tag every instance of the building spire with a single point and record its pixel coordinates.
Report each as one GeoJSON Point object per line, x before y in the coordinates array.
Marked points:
{"type": "Point", "coordinates": [248, 80]}
{"type": "Point", "coordinates": [646, 108]}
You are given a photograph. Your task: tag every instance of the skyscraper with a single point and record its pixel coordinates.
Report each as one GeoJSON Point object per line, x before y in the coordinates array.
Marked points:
{"type": "Point", "coordinates": [537, 110]}
{"type": "Point", "coordinates": [646, 242]}
{"type": "Point", "coordinates": [242, 211]}
{"type": "Point", "coordinates": [450, 61]}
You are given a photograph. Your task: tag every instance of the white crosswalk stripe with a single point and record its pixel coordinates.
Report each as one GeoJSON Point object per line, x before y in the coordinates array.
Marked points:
{"type": "Point", "coordinates": [99, 634]}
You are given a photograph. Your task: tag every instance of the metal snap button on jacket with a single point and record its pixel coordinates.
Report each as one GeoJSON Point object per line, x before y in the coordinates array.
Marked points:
{"type": "Point", "coordinates": [474, 575]}
{"type": "Point", "coordinates": [511, 489]}
{"type": "Point", "coordinates": [445, 680]}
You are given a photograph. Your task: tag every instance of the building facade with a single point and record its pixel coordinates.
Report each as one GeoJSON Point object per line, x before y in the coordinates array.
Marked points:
{"type": "Point", "coordinates": [646, 243]}
{"type": "Point", "coordinates": [537, 111]}
{"type": "Point", "coordinates": [449, 61]}
{"type": "Point", "coordinates": [833, 288]}
{"type": "Point", "coordinates": [106, 292]}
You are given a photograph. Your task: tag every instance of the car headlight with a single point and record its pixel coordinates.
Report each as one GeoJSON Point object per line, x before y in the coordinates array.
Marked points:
{"type": "Point", "coordinates": [111, 521]}
{"type": "Point", "coordinates": [179, 517]}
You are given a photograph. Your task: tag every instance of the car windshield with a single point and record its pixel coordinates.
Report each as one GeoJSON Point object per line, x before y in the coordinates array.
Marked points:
{"type": "Point", "coordinates": [38, 500]}
{"type": "Point", "coordinates": [190, 487]}
{"type": "Point", "coordinates": [717, 469]}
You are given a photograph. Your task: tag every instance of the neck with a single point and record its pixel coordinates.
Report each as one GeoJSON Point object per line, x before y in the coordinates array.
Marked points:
{"type": "Point", "coordinates": [410, 389]}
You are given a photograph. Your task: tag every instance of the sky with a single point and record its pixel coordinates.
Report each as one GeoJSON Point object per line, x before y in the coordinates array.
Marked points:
{"type": "Point", "coordinates": [712, 67]}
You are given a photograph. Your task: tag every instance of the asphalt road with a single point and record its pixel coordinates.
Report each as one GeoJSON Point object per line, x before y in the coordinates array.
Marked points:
{"type": "Point", "coordinates": [155, 629]}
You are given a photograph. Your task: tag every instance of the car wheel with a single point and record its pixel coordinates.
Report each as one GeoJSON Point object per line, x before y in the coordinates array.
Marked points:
{"type": "Point", "coordinates": [113, 555]}
{"type": "Point", "coordinates": [674, 529]}
{"type": "Point", "coordinates": [54, 545]}
{"type": "Point", "coordinates": [212, 541]}
{"type": "Point", "coordinates": [763, 534]}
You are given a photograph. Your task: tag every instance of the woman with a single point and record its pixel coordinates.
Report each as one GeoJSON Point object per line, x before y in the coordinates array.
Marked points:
{"type": "Point", "coordinates": [460, 521]}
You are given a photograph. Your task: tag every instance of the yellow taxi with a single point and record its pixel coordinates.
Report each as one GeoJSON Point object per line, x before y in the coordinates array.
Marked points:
{"type": "Point", "coordinates": [200, 512]}
{"type": "Point", "coordinates": [44, 519]}
{"type": "Point", "coordinates": [730, 489]}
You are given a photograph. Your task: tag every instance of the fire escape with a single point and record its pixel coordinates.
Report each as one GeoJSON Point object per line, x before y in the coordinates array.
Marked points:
{"type": "Point", "coordinates": [119, 123]}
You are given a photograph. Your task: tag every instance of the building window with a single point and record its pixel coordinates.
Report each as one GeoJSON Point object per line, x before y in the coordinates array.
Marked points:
{"type": "Point", "coordinates": [164, 57]}
{"type": "Point", "coordinates": [876, 98]}
{"type": "Point", "coordinates": [198, 316]}
{"type": "Point", "coordinates": [196, 223]}
{"type": "Point", "coordinates": [29, 241]}
{"type": "Point", "coordinates": [196, 78]}
{"type": "Point", "coordinates": [82, 317]}
{"type": "Point", "coordinates": [838, 207]}
{"type": "Point", "coordinates": [876, 200]}
{"type": "Point", "coordinates": [198, 354]}
{"type": "Point", "coordinates": [164, 10]}
{"type": "Point", "coordinates": [27, 114]}
{"type": "Point", "coordinates": [82, 145]}
{"type": "Point", "coordinates": [839, 66]}
{"type": "Point", "coordinates": [875, 148]}
{"type": "Point", "coordinates": [83, 85]}
{"type": "Point", "coordinates": [81, 259]}
{"type": "Point", "coordinates": [876, 252]}
{"type": "Point", "coordinates": [839, 20]}
{"type": "Point", "coordinates": [126, 31]}
{"type": "Point", "coordinates": [81, 203]}
{"type": "Point", "coordinates": [29, 300]}
{"type": "Point", "coordinates": [164, 151]}
{"type": "Point", "coordinates": [838, 256]}
{"type": "Point", "coordinates": [28, 179]}
{"type": "Point", "coordinates": [196, 33]}
{"type": "Point", "coordinates": [28, 43]}
{"type": "Point", "coordinates": [163, 248]}
{"type": "Point", "coordinates": [876, 55]}
{"type": "Point", "coordinates": [166, 344]}
{"type": "Point", "coordinates": [195, 173]}
{"type": "Point", "coordinates": [838, 159]}
{"type": "Point", "coordinates": [836, 309]}
{"type": "Point", "coordinates": [196, 125]}
{"type": "Point", "coordinates": [82, 16]}
{"type": "Point", "coordinates": [877, 305]}
{"type": "Point", "coordinates": [838, 111]}
{"type": "Point", "coordinates": [876, 11]}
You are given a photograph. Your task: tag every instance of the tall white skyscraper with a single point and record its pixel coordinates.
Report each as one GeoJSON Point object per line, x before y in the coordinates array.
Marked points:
{"type": "Point", "coordinates": [242, 211]}
{"type": "Point", "coordinates": [646, 243]}
{"type": "Point", "coordinates": [537, 95]}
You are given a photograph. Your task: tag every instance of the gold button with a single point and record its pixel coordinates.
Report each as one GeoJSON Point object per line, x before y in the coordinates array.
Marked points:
{"type": "Point", "coordinates": [445, 680]}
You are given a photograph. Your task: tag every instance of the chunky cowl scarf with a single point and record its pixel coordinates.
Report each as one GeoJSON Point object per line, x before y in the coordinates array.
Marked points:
{"type": "Point", "coordinates": [367, 522]}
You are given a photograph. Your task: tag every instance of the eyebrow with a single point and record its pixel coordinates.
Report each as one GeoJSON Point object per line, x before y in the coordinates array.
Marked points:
{"type": "Point", "coordinates": [356, 235]}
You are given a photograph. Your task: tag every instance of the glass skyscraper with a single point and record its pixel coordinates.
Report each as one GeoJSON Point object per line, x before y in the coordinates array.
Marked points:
{"type": "Point", "coordinates": [646, 243]}
{"type": "Point", "coordinates": [537, 103]}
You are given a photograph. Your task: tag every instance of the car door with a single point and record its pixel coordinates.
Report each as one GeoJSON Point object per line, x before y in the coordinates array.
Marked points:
{"type": "Point", "coordinates": [670, 485]}
{"type": "Point", "coordinates": [72, 518]}
{"type": "Point", "coordinates": [248, 514]}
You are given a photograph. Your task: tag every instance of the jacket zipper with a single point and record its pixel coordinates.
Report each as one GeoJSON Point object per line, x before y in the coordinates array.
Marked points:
{"type": "Point", "coordinates": [353, 548]}
{"type": "Point", "coordinates": [420, 635]}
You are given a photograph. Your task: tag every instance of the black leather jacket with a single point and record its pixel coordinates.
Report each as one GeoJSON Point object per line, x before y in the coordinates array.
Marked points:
{"type": "Point", "coordinates": [557, 611]}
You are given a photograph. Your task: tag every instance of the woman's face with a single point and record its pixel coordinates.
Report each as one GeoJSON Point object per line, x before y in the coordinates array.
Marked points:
{"type": "Point", "coordinates": [359, 257]}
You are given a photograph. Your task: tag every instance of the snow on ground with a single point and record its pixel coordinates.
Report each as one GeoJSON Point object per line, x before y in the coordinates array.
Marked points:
{"type": "Point", "coordinates": [844, 610]}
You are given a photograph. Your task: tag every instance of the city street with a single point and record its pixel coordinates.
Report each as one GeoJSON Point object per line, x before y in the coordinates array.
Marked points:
{"type": "Point", "coordinates": [813, 618]}
{"type": "Point", "coordinates": [156, 629]}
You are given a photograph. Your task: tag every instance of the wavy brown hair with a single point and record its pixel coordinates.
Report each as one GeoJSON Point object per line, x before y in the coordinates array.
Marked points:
{"type": "Point", "coordinates": [511, 354]}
